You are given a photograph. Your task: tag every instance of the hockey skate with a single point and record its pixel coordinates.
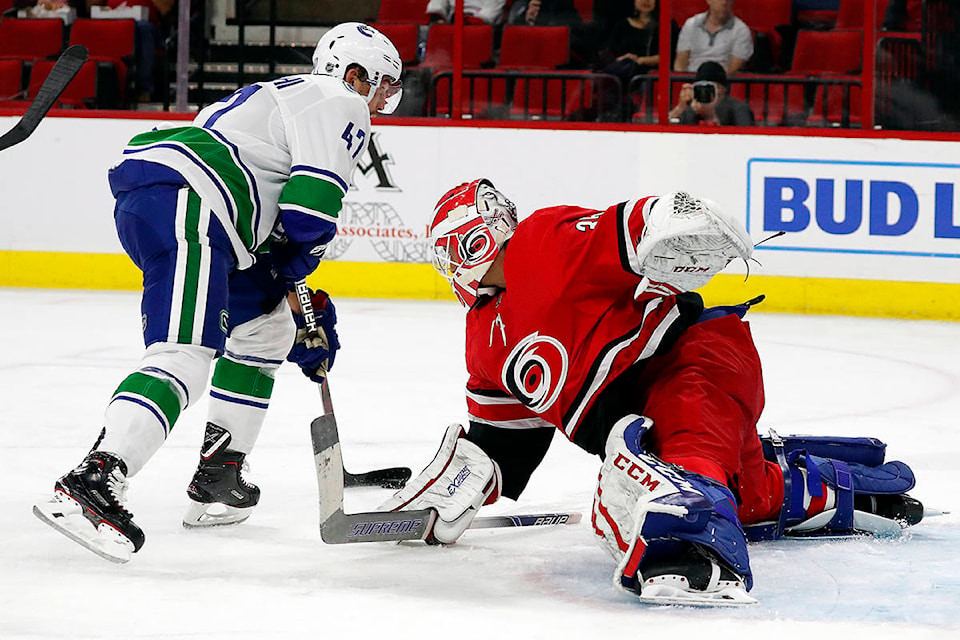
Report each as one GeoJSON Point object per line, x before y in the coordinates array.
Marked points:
{"type": "Point", "coordinates": [694, 578]}
{"type": "Point", "coordinates": [88, 507]}
{"type": "Point", "coordinates": [218, 493]}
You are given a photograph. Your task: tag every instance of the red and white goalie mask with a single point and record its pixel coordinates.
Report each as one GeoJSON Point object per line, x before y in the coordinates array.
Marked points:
{"type": "Point", "coordinates": [471, 223]}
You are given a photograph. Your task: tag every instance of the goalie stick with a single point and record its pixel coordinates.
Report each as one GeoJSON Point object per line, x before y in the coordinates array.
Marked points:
{"type": "Point", "coordinates": [53, 86]}
{"type": "Point", "coordinates": [390, 478]}
{"type": "Point", "coordinates": [337, 527]}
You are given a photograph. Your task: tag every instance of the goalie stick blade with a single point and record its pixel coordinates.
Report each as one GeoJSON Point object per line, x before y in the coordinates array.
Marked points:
{"type": "Point", "coordinates": [378, 526]}
{"type": "Point", "coordinates": [531, 520]}
{"type": "Point", "coordinates": [391, 478]}
{"type": "Point", "coordinates": [337, 527]}
{"type": "Point", "coordinates": [53, 86]}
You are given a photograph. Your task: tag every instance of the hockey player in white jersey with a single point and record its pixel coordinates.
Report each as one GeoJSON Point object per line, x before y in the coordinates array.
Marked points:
{"type": "Point", "coordinates": [222, 217]}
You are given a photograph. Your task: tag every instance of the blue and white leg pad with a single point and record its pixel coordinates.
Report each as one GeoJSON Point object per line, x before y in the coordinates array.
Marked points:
{"type": "Point", "coordinates": [854, 466]}
{"type": "Point", "coordinates": [645, 507]}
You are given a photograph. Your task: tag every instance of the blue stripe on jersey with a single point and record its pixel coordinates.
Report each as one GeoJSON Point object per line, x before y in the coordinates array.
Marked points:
{"type": "Point", "coordinates": [302, 168]}
{"type": "Point", "coordinates": [241, 96]}
{"type": "Point", "coordinates": [214, 178]}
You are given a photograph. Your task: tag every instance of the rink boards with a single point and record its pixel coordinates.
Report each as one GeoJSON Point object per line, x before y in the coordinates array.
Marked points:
{"type": "Point", "coordinates": [870, 224]}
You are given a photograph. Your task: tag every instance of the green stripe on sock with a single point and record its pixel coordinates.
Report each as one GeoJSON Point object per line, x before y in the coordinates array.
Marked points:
{"type": "Point", "coordinates": [242, 379]}
{"type": "Point", "coordinates": [159, 392]}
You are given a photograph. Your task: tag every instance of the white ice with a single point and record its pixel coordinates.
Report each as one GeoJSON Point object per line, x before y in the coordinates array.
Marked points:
{"type": "Point", "coordinates": [398, 381]}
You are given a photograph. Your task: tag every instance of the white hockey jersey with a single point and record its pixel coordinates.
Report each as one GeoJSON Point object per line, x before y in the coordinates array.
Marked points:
{"type": "Point", "coordinates": [288, 144]}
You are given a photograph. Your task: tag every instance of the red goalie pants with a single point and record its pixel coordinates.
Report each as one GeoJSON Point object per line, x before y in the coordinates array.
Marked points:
{"type": "Point", "coordinates": [705, 396]}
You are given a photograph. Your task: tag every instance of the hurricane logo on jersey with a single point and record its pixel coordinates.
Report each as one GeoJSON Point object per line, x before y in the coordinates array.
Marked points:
{"type": "Point", "coordinates": [535, 371]}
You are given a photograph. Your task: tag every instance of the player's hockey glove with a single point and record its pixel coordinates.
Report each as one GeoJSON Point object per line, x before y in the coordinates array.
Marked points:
{"type": "Point", "coordinates": [297, 245]}
{"type": "Point", "coordinates": [460, 479]}
{"type": "Point", "coordinates": [314, 353]}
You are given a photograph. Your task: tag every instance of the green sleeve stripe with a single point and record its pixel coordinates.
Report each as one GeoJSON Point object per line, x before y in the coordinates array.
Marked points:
{"type": "Point", "coordinates": [155, 391]}
{"type": "Point", "coordinates": [310, 193]}
{"type": "Point", "coordinates": [217, 160]}
{"type": "Point", "coordinates": [241, 379]}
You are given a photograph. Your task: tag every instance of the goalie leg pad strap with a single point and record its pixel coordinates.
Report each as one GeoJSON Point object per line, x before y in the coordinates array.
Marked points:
{"type": "Point", "coordinates": [644, 505]}
{"type": "Point", "coordinates": [810, 479]}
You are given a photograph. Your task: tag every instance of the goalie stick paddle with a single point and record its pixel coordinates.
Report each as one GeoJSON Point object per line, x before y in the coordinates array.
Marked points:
{"type": "Point", "coordinates": [53, 86]}
{"type": "Point", "coordinates": [337, 527]}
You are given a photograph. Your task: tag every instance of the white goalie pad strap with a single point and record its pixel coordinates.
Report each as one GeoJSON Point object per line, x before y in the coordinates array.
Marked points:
{"type": "Point", "coordinates": [458, 481]}
{"type": "Point", "coordinates": [686, 241]}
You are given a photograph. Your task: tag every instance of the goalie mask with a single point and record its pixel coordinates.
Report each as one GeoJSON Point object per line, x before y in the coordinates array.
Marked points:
{"type": "Point", "coordinates": [471, 223]}
{"type": "Point", "coordinates": [358, 43]}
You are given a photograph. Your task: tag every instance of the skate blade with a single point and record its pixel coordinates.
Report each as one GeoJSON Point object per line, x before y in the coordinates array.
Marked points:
{"type": "Point", "coordinates": [864, 524]}
{"type": "Point", "coordinates": [663, 594]}
{"type": "Point", "coordinates": [66, 516]}
{"type": "Point", "coordinates": [201, 515]}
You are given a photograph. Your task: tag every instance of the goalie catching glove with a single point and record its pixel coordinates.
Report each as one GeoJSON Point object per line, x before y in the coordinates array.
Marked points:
{"type": "Point", "coordinates": [314, 352]}
{"type": "Point", "coordinates": [460, 479]}
{"type": "Point", "coordinates": [686, 241]}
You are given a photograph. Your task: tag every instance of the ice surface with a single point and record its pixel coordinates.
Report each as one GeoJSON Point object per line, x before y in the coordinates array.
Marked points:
{"type": "Point", "coordinates": [398, 381]}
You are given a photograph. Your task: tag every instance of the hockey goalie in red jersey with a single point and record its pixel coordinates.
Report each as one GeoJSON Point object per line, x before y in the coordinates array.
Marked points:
{"type": "Point", "coordinates": [586, 322]}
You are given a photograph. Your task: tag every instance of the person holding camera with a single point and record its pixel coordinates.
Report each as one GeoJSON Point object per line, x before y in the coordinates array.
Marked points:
{"type": "Point", "coordinates": [708, 102]}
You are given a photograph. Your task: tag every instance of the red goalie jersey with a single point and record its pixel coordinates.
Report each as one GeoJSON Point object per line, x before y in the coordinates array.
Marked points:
{"type": "Point", "coordinates": [568, 323]}
{"type": "Point", "coordinates": [568, 344]}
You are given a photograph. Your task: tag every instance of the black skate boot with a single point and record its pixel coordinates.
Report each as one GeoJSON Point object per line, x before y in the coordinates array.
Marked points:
{"type": "Point", "coordinates": [88, 507]}
{"type": "Point", "coordinates": [692, 577]}
{"type": "Point", "coordinates": [218, 493]}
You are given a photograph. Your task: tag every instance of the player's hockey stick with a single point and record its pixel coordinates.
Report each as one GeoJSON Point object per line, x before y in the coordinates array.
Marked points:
{"type": "Point", "coordinates": [390, 478]}
{"type": "Point", "coordinates": [60, 76]}
{"type": "Point", "coordinates": [337, 527]}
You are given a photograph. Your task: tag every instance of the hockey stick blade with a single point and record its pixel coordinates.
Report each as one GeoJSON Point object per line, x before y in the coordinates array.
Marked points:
{"type": "Point", "coordinates": [53, 86]}
{"type": "Point", "coordinates": [337, 527]}
{"type": "Point", "coordinates": [391, 478]}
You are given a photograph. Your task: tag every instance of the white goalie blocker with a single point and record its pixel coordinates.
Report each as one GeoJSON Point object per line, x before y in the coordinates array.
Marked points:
{"type": "Point", "coordinates": [459, 480]}
{"type": "Point", "coordinates": [686, 241]}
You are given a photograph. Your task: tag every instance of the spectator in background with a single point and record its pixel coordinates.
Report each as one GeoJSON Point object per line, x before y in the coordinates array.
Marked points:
{"type": "Point", "coordinates": [52, 5]}
{"type": "Point", "coordinates": [632, 49]}
{"type": "Point", "coordinates": [707, 101]}
{"type": "Point", "coordinates": [903, 15]}
{"type": "Point", "coordinates": [474, 11]}
{"type": "Point", "coordinates": [148, 36]}
{"type": "Point", "coordinates": [715, 35]}
{"type": "Point", "coordinates": [544, 13]}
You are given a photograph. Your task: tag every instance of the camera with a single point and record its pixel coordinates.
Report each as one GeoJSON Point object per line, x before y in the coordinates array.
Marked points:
{"type": "Point", "coordinates": [704, 91]}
